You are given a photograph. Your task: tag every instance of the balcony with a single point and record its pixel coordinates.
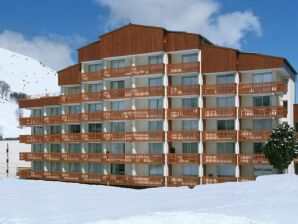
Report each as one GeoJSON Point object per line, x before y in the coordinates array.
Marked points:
{"type": "Point", "coordinates": [40, 101]}
{"type": "Point", "coordinates": [92, 96]}
{"type": "Point", "coordinates": [273, 111]}
{"type": "Point", "coordinates": [217, 180]}
{"type": "Point", "coordinates": [91, 76]}
{"type": "Point", "coordinates": [219, 89]}
{"type": "Point", "coordinates": [134, 92]}
{"type": "Point", "coordinates": [133, 136]}
{"type": "Point", "coordinates": [178, 136]}
{"type": "Point", "coordinates": [264, 87]}
{"type": "Point", "coordinates": [134, 114]}
{"type": "Point", "coordinates": [180, 113]}
{"type": "Point", "coordinates": [72, 98]}
{"type": "Point", "coordinates": [183, 158]}
{"type": "Point", "coordinates": [219, 158]}
{"type": "Point", "coordinates": [227, 135]}
{"type": "Point", "coordinates": [92, 116]}
{"type": "Point", "coordinates": [185, 90]}
{"type": "Point", "coordinates": [28, 121]}
{"type": "Point", "coordinates": [190, 181]}
{"type": "Point", "coordinates": [255, 159]}
{"type": "Point", "coordinates": [253, 135]}
{"type": "Point", "coordinates": [219, 112]}
{"type": "Point", "coordinates": [187, 67]}
{"type": "Point", "coordinates": [129, 71]}
{"type": "Point", "coordinates": [53, 119]}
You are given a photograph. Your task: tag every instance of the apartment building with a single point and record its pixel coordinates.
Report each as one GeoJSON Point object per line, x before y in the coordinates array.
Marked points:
{"type": "Point", "coordinates": [148, 107]}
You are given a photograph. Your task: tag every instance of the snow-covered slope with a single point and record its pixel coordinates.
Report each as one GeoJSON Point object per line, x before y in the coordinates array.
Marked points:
{"type": "Point", "coordinates": [271, 199]}
{"type": "Point", "coordinates": [26, 75]}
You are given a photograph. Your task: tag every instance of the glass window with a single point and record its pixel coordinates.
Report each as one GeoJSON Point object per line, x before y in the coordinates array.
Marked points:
{"type": "Point", "coordinates": [118, 63]}
{"type": "Point", "coordinates": [55, 129]}
{"type": "Point", "coordinates": [74, 128]}
{"type": "Point", "coordinates": [225, 147]}
{"type": "Point", "coordinates": [118, 105]}
{"type": "Point", "coordinates": [189, 125]}
{"type": "Point", "coordinates": [117, 126]}
{"type": "Point", "coordinates": [55, 111]}
{"type": "Point", "coordinates": [38, 130]}
{"type": "Point", "coordinates": [38, 165]}
{"type": "Point", "coordinates": [155, 59]}
{"type": "Point", "coordinates": [74, 109]}
{"type": "Point", "coordinates": [261, 101]}
{"type": "Point", "coordinates": [155, 170]}
{"type": "Point", "coordinates": [258, 147]}
{"type": "Point", "coordinates": [222, 79]}
{"type": "Point", "coordinates": [262, 77]}
{"type": "Point", "coordinates": [156, 148]}
{"type": "Point", "coordinates": [226, 101]}
{"type": "Point", "coordinates": [95, 87]}
{"type": "Point", "coordinates": [95, 168]}
{"type": "Point", "coordinates": [94, 147]}
{"type": "Point", "coordinates": [118, 147]}
{"type": "Point", "coordinates": [189, 102]}
{"type": "Point", "coordinates": [38, 148]}
{"type": "Point", "coordinates": [55, 148]}
{"type": "Point", "coordinates": [155, 103]}
{"type": "Point", "coordinates": [190, 80]}
{"type": "Point", "coordinates": [189, 57]}
{"type": "Point", "coordinates": [94, 67]}
{"type": "Point", "coordinates": [37, 112]}
{"type": "Point", "coordinates": [155, 81]}
{"type": "Point", "coordinates": [74, 148]}
{"type": "Point", "coordinates": [190, 170]}
{"type": "Point", "coordinates": [74, 90]}
{"type": "Point", "coordinates": [95, 127]}
{"type": "Point", "coordinates": [95, 107]}
{"type": "Point", "coordinates": [117, 84]}
{"type": "Point", "coordinates": [118, 169]}
{"type": "Point", "coordinates": [225, 125]}
{"type": "Point", "coordinates": [225, 170]}
{"type": "Point", "coordinates": [74, 167]}
{"type": "Point", "coordinates": [262, 124]}
{"type": "Point", "coordinates": [190, 147]}
{"type": "Point", "coordinates": [56, 166]}
{"type": "Point", "coordinates": [155, 125]}
{"type": "Point", "coordinates": [260, 170]}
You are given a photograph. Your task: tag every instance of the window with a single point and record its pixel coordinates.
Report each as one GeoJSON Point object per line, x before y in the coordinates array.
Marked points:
{"type": "Point", "coordinates": [296, 126]}
{"type": "Point", "coordinates": [155, 125]}
{"type": "Point", "coordinates": [155, 59]}
{"type": "Point", "coordinates": [74, 109]}
{"type": "Point", "coordinates": [118, 105]}
{"type": "Point", "coordinates": [118, 148]}
{"type": "Point", "coordinates": [190, 80]}
{"type": "Point", "coordinates": [94, 67]}
{"type": "Point", "coordinates": [55, 111]}
{"type": "Point", "coordinates": [38, 165]}
{"type": "Point", "coordinates": [95, 148]}
{"type": "Point", "coordinates": [262, 170]}
{"type": "Point", "coordinates": [285, 104]}
{"type": "Point", "coordinates": [222, 79]}
{"type": "Point", "coordinates": [38, 148]}
{"type": "Point", "coordinates": [95, 107]}
{"type": "Point", "coordinates": [95, 168]}
{"type": "Point", "coordinates": [74, 128]}
{"type": "Point", "coordinates": [155, 170]}
{"type": "Point", "coordinates": [118, 126]}
{"type": "Point", "coordinates": [155, 81]}
{"type": "Point", "coordinates": [74, 148]}
{"type": "Point", "coordinates": [225, 170]}
{"type": "Point", "coordinates": [189, 102]}
{"type": "Point", "coordinates": [74, 90]}
{"type": "Point", "coordinates": [56, 166]}
{"type": "Point", "coordinates": [258, 147]}
{"type": "Point", "coordinates": [261, 101]}
{"type": "Point", "coordinates": [117, 84]}
{"type": "Point", "coordinates": [74, 167]}
{"type": "Point", "coordinates": [262, 124]}
{"type": "Point", "coordinates": [189, 125]}
{"type": "Point", "coordinates": [225, 147]}
{"type": "Point", "coordinates": [96, 127]}
{"type": "Point", "coordinates": [190, 170]}
{"type": "Point", "coordinates": [118, 169]}
{"type": "Point", "coordinates": [155, 148]}
{"type": "Point", "coordinates": [190, 147]}
{"type": "Point", "coordinates": [55, 148]}
{"type": "Point", "coordinates": [155, 103]}
{"type": "Point", "coordinates": [37, 112]}
{"type": "Point", "coordinates": [38, 130]}
{"type": "Point", "coordinates": [189, 57]}
{"type": "Point", "coordinates": [225, 124]}
{"type": "Point", "coordinates": [226, 101]}
{"type": "Point", "coordinates": [95, 87]}
{"type": "Point", "coordinates": [262, 77]}
{"type": "Point", "coordinates": [55, 129]}
{"type": "Point", "coordinates": [118, 63]}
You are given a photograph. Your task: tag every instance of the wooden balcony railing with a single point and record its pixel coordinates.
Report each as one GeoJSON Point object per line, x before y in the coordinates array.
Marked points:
{"type": "Point", "coordinates": [134, 136]}
{"type": "Point", "coordinates": [253, 135]}
{"type": "Point", "coordinates": [219, 89]}
{"type": "Point", "coordinates": [52, 119]}
{"type": "Point", "coordinates": [177, 136]}
{"type": "Point", "coordinates": [175, 181]}
{"type": "Point", "coordinates": [270, 111]}
{"type": "Point", "coordinates": [227, 135]}
{"type": "Point", "coordinates": [31, 121]}
{"type": "Point", "coordinates": [256, 159]}
{"type": "Point", "coordinates": [183, 67]}
{"type": "Point", "coordinates": [178, 113]}
{"type": "Point", "coordinates": [219, 158]}
{"type": "Point", "coordinates": [183, 158]}
{"type": "Point", "coordinates": [40, 101]}
{"type": "Point", "coordinates": [134, 114]}
{"type": "Point", "coordinates": [219, 112]}
{"type": "Point", "coordinates": [72, 98]}
{"type": "Point", "coordinates": [183, 90]}
{"type": "Point", "coordinates": [263, 87]}
{"type": "Point", "coordinates": [92, 96]}
{"type": "Point", "coordinates": [91, 76]}
{"type": "Point", "coordinates": [217, 180]}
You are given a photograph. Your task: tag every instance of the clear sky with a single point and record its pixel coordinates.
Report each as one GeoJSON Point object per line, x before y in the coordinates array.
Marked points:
{"type": "Point", "coordinates": [265, 26]}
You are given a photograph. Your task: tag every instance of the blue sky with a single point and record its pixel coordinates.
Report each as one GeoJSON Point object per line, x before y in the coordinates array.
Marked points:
{"type": "Point", "coordinates": [264, 26]}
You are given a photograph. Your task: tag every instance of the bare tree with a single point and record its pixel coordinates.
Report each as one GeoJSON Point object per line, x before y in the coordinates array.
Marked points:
{"type": "Point", "coordinates": [4, 89]}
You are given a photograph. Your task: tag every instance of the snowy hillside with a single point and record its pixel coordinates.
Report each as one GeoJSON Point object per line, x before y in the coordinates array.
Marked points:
{"type": "Point", "coordinates": [23, 74]}
{"type": "Point", "coordinates": [271, 199]}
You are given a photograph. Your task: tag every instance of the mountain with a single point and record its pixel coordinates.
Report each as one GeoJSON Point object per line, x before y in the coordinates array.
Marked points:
{"type": "Point", "coordinates": [23, 74]}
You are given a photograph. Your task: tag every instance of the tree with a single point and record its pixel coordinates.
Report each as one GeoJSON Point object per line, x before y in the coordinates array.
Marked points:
{"type": "Point", "coordinates": [4, 89]}
{"type": "Point", "coordinates": [281, 148]}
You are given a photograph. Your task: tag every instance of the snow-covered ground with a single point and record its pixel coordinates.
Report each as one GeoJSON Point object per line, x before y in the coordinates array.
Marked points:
{"type": "Point", "coordinates": [271, 199]}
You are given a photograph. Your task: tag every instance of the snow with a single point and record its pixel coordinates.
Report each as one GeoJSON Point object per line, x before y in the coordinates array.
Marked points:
{"type": "Point", "coordinates": [271, 199]}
